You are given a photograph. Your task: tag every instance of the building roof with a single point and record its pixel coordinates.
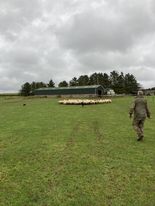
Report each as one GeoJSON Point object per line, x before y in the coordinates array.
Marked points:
{"type": "Point", "coordinates": [68, 88]}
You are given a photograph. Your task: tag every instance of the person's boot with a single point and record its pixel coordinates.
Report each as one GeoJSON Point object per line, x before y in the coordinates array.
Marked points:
{"type": "Point", "coordinates": [140, 138]}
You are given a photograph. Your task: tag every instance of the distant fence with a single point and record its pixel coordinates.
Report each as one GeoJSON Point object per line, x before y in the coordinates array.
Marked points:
{"type": "Point", "coordinates": [9, 94]}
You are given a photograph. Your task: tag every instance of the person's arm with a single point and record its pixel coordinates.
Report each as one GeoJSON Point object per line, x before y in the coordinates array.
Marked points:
{"type": "Point", "coordinates": [147, 110]}
{"type": "Point", "coordinates": [132, 109]}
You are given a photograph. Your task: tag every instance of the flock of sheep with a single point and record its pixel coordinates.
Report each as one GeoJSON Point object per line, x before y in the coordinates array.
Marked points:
{"type": "Point", "coordinates": [84, 101]}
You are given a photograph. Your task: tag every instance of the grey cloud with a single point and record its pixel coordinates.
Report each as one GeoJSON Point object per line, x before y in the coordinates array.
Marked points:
{"type": "Point", "coordinates": [15, 15]}
{"type": "Point", "coordinates": [89, 32]}
{"type": "Point", "coordinates": [8, 84]}
{"type": "Point", "coordinates": [44, 39]}
{"type": "Point", "coordinates": [21, 56]}
{"type": "Point", "coordinates": [99, 29]}
{"type": "Point", "coordinates": [143, 73]}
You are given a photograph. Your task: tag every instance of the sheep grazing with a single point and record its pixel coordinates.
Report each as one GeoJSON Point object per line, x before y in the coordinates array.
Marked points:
{"type": "Point", "coordinates": [83, 102]}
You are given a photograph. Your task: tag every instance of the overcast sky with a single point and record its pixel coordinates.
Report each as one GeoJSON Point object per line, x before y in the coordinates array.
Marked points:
{"type": "Point", "coordinates": [59, 39]}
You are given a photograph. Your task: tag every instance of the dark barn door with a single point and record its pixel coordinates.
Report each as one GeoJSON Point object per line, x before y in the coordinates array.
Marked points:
{"type": "Point", "coordinates": [99, 92]}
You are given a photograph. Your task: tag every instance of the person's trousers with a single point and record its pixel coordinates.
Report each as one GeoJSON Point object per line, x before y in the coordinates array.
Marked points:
{"type": "Point", "coordinates": [138, 125]}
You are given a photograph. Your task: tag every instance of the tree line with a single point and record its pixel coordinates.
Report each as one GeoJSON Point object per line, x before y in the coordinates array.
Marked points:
{"type": "Point", "coordinates": [121, 83]}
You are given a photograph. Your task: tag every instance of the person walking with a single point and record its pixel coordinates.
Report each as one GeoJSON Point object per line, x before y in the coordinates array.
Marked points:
{"type": "Point", "coordinates": [140, 111]}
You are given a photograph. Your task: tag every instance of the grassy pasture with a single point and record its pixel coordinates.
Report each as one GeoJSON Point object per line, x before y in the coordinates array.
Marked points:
{"type": "Point", "coordinates": [57, 155]}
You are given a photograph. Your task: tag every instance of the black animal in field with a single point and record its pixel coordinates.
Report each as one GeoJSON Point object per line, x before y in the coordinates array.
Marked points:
{"type": "Point", "coordinates": [82, 104]}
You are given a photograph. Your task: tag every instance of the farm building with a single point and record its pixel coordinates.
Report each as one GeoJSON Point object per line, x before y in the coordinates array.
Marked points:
{"type": "Point", "coordinates": [149, 92]}
{"type": "Point", "coordinates": [94, 90]}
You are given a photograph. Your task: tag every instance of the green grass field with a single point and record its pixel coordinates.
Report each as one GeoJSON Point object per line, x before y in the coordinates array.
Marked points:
{"type": "Point", "coordinates": [57, 155]}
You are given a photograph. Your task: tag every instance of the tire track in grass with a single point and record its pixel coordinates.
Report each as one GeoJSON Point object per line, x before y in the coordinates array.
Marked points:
{"type": "Point", "coordinates": [98, 147]}
{"type": "Point", "coordinates": [74, 132]}
{"type": "Point", "coordinates": [96, 129]}
{"type": "Point", "coordinates": [65, 169]}
{"type": "Point", "coordinates": [66, 156]}
{"type": "Point", "coordinates": [63, 163]}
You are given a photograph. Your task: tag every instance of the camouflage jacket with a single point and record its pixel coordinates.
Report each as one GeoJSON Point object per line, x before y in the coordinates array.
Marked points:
{"type": "Point", "coordinates": [139, 108]}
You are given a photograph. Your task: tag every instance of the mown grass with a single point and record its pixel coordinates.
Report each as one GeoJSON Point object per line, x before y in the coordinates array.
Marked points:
{"type": "Point", "coordinates": [57, 155]}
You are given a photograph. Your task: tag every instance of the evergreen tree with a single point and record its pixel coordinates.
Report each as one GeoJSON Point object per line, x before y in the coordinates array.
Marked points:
{"type": "Point", "coordinates": [63, 84]}
{"type": "Point", "coordinates": [114, 75]}
{"type": "Point", "coordinates": [26, 89]}
{"type": "Point", "coordinates": [131, 85]}
{"type": "Point", "coordinates": [40, 85]}
{"type": "Point", "coordinates": [51, 83]}
{"type": "Point", "coordinates": [37, 85]}
{"type": "Point", "coordinates": [93, 79]}
{"type": "Point", "coordinates": [73, 82]}
{"type": "Point", "coordinates": [33, 86]}
{"type": "Point", "coordinates": [106, 81]}
{"type": "Point", "coordinates": [121, 84]}
{"type": "Point", "coordinates": [83, 80]}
